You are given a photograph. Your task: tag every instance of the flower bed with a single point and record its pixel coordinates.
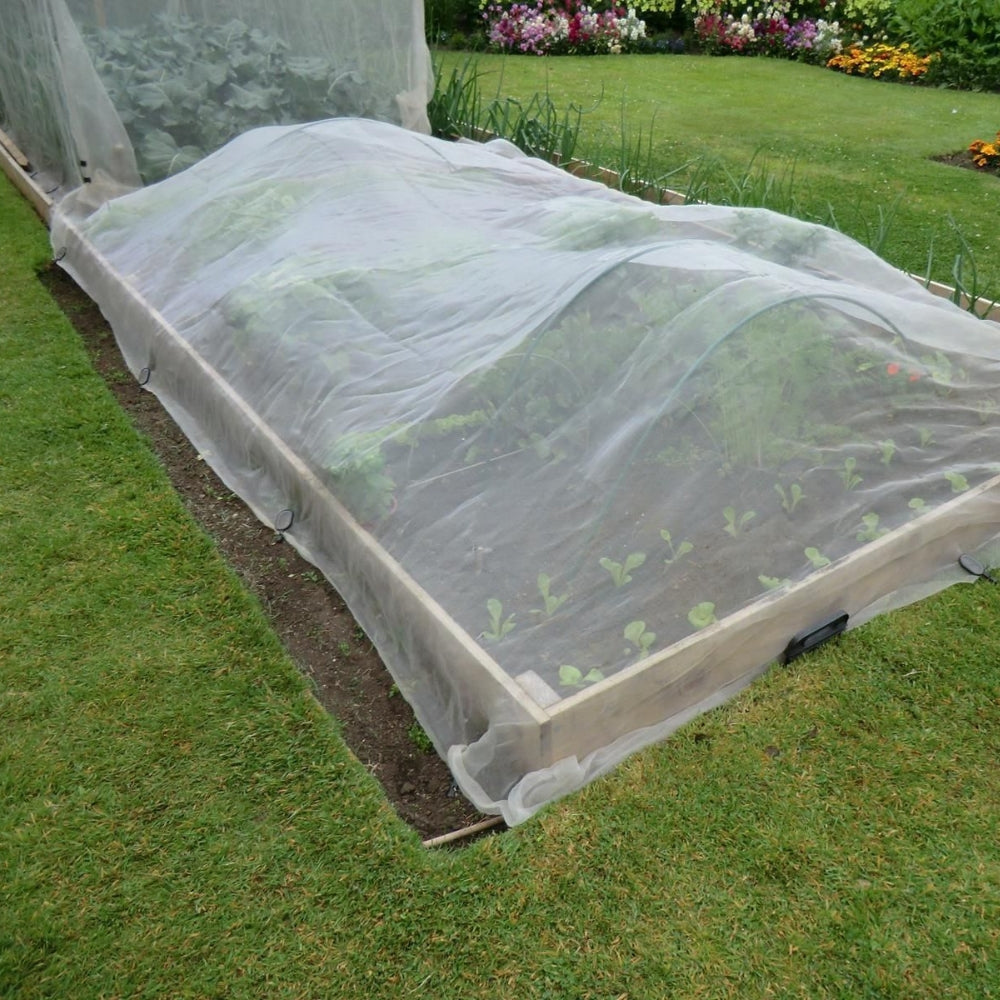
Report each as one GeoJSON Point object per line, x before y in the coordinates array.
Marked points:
{"type": "Point", "coordinates": [986, 155]}
{"type": "Point", "coordinates": [550, 27]}
{"type": "Point", "coordinates": [872, 38]}
{"type": "Point", "coordinates": [882, 61]}
{"type": "Point", "coordinates": [783, 29]}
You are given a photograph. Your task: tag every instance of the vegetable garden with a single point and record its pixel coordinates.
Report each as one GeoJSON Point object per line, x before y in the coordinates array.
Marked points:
{"type": "Point", "coordinates": [581, 466]}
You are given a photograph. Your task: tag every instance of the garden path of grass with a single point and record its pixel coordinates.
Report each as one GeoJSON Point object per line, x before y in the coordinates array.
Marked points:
{"type": "Point", "coordinates": [180, 819]}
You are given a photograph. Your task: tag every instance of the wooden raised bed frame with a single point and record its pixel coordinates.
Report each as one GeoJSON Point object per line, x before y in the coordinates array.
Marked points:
{"type": "Point", "coordinates": [695, 673]}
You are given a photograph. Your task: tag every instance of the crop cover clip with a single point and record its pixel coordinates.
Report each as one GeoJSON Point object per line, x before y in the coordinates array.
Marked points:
{"type": "Point", "coordinates": [808, 639]}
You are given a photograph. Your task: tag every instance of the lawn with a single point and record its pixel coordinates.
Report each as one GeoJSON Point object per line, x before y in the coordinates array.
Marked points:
{"type": "Point", "coordinates": [181, 819]}
{"type": "Point", "coordinates": [831, 143]}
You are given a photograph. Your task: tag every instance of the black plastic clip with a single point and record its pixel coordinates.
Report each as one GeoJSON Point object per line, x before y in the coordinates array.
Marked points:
{"type": "Point", "coordinates": [145, 374]}
{"type": "Point", "coordinates": [283, 521]}
{"type": "Point", "coordinates": [972, 565]}
{"type": "Point", "coordinates": [808, 639]}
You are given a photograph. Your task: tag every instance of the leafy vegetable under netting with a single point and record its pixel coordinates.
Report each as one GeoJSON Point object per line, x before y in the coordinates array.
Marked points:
{"type": "Point", "coordinates": [105, 96]}
{"type": "Point", "coordinates": [184, 88]}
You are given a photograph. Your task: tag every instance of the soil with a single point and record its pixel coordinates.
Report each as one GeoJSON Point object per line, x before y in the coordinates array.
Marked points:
{"type": "Point", "coordinates": [308, 615]}
{"type": "Point", "coordinates": [963, 158]}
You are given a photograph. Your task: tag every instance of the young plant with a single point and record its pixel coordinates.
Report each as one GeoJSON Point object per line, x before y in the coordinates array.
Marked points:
{"type": "Point", "coordinates": [552, 602]}
{"type": "Point", "coordinates": [987, 410]}
{"type": "Point", "coordinates": [499, 626]}
{"type": "Point", "coordinates": [941, 370]}
{"type": "Point", "coordinates": [678, 552]}
{"type": "Point", "coordinates": [887, 449]}
{"type": "Point", "coordinates": [357, 466]}
{"type": "Point", "coordinates": [570, 676]}
{"type": "Point", "coordinates": [773, 582]}
{"type": "Point", "coordinates": [816, 557]}
{"type": "Point", "coordinates": [420, 739]}
{"type": "Point", "coordinates": [702, 615]}
{"type": "Point", "coordinates": [871, 530]}
{"type": "Point", "coordinates": [736, 523]}
{"type": "Point", "coordinates": [847, 474]}
{"type": "Point", "coordinates": [926, 437]}
{"type": "Point", "coordinates": [959, 484]}
{"type": "Point", "coordinates": [621, 573]}
{"type": "Point", "coordinates": [918, 505]}
{"type": "Point", "coordinates": [791, 497]}
{"type": "Point", "coordinates": [635, 633]}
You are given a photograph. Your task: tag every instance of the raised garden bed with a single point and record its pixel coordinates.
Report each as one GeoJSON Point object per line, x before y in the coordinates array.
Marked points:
{"type": "Point", "coordinates": [580, 466]}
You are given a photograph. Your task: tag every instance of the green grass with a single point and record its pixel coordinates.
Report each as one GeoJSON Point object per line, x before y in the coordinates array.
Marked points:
{"type": "Point", "coordinates": [831, 142]}
{"type": "Point", "coordinates": [180, 819]}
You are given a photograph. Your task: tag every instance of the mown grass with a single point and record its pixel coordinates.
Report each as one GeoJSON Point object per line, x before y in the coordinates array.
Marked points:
{"type": "Point", "coordinates": [838, 149]}
{"type": "Point", "coordinates": [180, 819]}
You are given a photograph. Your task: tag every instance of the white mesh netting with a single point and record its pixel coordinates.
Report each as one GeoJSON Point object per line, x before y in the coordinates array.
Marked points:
{"type": "Point", "coordinates": [113, 93]}
{"type": "Point", "coordinates": [580, 465]}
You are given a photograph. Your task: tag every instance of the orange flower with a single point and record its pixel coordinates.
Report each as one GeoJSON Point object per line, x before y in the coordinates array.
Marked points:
{"type": "Point", "coordinates": [986, 154]}
{"type": "Point", "coordinates": [892, 368]}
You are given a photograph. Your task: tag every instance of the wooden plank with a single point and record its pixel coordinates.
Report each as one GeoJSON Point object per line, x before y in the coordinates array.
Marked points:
{"type": "Point", "coordinates": [947, 292]}
{"type": "Point", "coordinates": [728, 655]}
{"type": "Point", "coordinates": [15, 153]}
{"type": "Point", "coordinates": [10, 162]}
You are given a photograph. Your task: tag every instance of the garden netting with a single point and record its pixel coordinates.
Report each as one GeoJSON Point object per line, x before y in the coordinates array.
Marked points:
{"type": "Point", "coordinates": [580, 465]}
{"type": "Point", "coordinates": [104, 95]}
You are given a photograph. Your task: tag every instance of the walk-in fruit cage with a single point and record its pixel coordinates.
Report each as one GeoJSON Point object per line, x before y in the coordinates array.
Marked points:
{"type": "Point", "coordinates": [580, 465]}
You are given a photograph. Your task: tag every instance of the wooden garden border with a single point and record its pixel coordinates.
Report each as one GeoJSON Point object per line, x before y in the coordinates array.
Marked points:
{"type": "Point", "coordinates": [17, 167]}
{"type": "Point", "coordinates": [729, 654]}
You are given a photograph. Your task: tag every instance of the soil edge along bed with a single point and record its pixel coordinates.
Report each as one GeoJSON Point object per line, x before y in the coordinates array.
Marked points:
{"type": "Point", "coordinates": [319, 633]}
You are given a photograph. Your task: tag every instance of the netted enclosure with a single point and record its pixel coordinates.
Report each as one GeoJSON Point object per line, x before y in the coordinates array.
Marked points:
{"type": "Point", "coordinates": [107, 94]}
{"type": "Point", "coordinates": [580, 465]}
